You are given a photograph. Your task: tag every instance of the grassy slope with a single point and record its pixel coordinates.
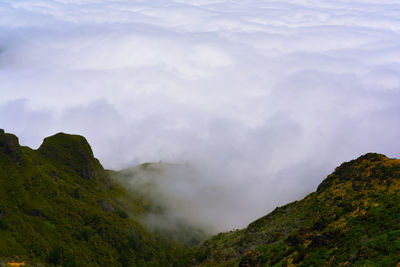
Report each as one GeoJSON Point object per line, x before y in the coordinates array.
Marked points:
{"type": "Point", "coordinates": [352, 220]}
{"type": "Point", "coordinates": [59, 207]}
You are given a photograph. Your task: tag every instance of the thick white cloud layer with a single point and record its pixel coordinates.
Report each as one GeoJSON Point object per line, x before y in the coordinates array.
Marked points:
{"type": "Point", "coordinates": [264, 97]}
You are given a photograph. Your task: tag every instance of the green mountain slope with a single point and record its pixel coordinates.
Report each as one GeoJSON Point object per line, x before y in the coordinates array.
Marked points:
{"type": "Point", "coordinates": [58, 206]}
{"type": "Point", "coordinates": [353, 219]}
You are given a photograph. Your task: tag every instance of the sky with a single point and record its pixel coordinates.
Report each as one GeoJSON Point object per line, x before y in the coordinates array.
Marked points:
{"type": "Point", "coordinates": [262, 98]}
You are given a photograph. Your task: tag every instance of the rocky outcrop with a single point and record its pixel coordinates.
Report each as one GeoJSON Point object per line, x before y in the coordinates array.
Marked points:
{"type": "Point", "coordinates": [72, 151]}
{"type": "Point", "coordinates": [9, 145]}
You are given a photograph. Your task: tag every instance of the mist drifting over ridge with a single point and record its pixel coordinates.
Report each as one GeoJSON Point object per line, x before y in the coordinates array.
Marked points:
{"type": "Point", "coordinates": [264, 98]}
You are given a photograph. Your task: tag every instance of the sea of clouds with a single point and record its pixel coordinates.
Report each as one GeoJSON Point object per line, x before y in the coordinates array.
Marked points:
{"type": "Point", "coordinates": [262, 98]}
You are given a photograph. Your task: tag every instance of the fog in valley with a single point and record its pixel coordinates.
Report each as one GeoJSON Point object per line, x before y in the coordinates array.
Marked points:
{"type": "Point", "coordinates": [249, 104]}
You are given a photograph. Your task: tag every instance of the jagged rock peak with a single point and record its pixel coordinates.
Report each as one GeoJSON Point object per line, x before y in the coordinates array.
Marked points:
{"type": "Point", "coordinates": [73, 151]}
{"type": "Point", "coordinates": [9, 145]}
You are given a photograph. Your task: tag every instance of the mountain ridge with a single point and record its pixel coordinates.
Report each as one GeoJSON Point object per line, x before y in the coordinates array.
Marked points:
{"type": "Point", "coordinates": [59, 207]}
{"type": "Point", "coordinates": [74, 151]}
{"type": "Point", "coordinates": [335, 226]}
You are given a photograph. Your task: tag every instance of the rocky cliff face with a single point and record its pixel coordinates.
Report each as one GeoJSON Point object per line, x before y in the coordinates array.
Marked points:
{"type": "Point", "coordinates": [72, 151]}
{"type": "Point", "coordinates": [9, 146]}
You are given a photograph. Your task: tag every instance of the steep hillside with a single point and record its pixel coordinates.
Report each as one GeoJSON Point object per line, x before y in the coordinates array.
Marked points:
{"type": "Point", "coordinates": [353, 219]}
{"type": "Point", "coordinates": [58, 206]}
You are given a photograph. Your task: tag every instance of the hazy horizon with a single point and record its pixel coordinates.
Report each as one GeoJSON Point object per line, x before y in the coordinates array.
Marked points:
{"type": "Point", "coordinates": [262, 99]}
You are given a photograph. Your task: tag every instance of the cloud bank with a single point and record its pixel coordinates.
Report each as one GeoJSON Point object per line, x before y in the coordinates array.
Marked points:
{"type": "Point", "coordinates": [265, 98]}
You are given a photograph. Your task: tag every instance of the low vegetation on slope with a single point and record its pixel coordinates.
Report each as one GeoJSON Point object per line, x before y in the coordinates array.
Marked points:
{"type": "Point", "coordinates": [59, 207]}
{"type": "Point", "coordinates": [352, 220]}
